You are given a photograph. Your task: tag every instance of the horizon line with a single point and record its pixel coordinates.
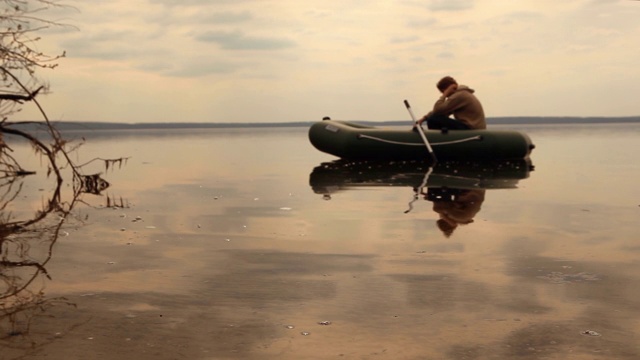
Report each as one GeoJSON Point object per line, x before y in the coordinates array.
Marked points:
{"type": "Point", "coordinates": [501, 120]}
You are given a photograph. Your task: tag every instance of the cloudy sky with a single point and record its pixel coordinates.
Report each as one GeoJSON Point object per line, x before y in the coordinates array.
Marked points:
{"type": "Point", "coordinates": [291, 60]}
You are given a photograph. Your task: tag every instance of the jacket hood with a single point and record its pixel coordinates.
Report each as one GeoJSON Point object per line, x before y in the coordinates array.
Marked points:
{"type": "Point", "coordinates": [465, 88]}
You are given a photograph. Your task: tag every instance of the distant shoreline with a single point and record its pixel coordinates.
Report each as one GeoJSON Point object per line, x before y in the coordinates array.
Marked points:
{"type": "Point", "coordinates": [524, 120]}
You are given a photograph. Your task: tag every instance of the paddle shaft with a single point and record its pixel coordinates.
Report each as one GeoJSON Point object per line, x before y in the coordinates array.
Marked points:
{"type": "Point", "coordinates": [421, 131]}
{"type": "Point", "coordinates": [418, 191]}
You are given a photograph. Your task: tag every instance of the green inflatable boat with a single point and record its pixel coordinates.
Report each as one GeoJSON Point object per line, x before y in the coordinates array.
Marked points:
{"type": "Point", "coordinates": [352, 141]}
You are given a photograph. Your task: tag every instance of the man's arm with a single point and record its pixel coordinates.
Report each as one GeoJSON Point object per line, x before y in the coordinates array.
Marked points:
{"type": "Point", "coordinates": [441, 103]}
{"type": "Point", "coordinates": [424, 118]}
{"type": "Point", "coordinates": [447, 105]}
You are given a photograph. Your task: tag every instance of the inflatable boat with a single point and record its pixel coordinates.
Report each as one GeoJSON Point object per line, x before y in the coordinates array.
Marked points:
{"type": "Point", "coordinates": [353, 141]}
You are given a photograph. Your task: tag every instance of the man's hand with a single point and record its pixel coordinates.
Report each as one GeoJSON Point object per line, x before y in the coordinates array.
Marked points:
{"type": "Point", "coordinates": [450, 90]}
{"type": "Point", "coordinates": [419, 123]}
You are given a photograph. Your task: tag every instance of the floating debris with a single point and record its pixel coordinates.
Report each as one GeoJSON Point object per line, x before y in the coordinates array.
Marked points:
{"type": "Point", "coordinates": [305, 333]}
{"type": "Point", "coordinates": [590, 333]}
{"type": "Point", "coordinates": [558, 277]}
{"type": "Point", "coordinates": [324, 323]}
{"type": "Point", "coordinates": [285, 208]}
{"type": "Point", "coordinates": [290, 326]}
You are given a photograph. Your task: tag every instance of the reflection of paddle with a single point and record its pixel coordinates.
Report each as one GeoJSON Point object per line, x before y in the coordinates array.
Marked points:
{"type": "Point", "coordinates": [419, 189]}
{"type": "Point", "coordinates": [421, 131]}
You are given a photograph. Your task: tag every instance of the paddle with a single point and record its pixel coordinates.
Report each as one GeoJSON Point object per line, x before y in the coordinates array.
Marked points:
{"type": "Point", "coordinates": [418, 190]}
{"type": "Point", "coordinates": [421, 131]}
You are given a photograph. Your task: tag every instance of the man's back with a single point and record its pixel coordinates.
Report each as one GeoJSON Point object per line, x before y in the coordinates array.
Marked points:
{"type": "Point", "coordinates": [465, 107]}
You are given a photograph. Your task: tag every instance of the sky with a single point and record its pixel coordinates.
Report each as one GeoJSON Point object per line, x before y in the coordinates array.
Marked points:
{"type": "Point", "coordinates": [137, 61]}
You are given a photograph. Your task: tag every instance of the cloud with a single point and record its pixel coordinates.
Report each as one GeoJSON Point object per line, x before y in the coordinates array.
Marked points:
{"type": "Point", "coordinates": [319, 51]}
{"type": "Point", "coordinates": [446, 55]}
{"type": "Point", "coordinates": [190, 68]}
{"type": "Point", "coordinates": [450, 5]}
{"type": "Point", "coordinates": [182, 3]}
{"type": "Point", "coordinates": [104, 45]}
{"type": "Point", "coordinates": [422, 22]}
{"type": "Point", "coordinates": [404, 39]}
{"type": "Point", "coordinates": [519, 17]}
{"type": "Point", "coordinates": [229, 17]}
{"type": "Point", "coordinates": [238, 41]}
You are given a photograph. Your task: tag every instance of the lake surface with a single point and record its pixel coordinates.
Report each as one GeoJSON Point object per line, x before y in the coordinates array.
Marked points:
{"type": "Point", "coordinates": [244, 244]}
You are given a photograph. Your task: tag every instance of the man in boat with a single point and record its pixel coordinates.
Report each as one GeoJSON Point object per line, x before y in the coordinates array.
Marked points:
{"type": "Point", "coordinates": [458, 100]}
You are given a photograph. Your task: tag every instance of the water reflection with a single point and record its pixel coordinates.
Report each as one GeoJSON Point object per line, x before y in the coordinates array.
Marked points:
{"type": "Point", "coordinates": [26, 247]}
{"type": "Point", "coordinates": [455, 206]}
{"type": "Point", "coordinates": [457, 189]}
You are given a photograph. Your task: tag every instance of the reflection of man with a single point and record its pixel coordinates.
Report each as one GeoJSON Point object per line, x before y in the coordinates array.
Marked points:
{"type": "Point", "coordinates": [455, 207]}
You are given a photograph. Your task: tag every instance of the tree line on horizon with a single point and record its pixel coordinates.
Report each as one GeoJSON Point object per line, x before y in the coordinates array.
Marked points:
{"type": "Point", "coordinates": [507, 120]}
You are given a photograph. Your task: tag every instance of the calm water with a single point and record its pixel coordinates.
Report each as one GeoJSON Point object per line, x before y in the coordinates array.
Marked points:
{"type": "Point", "coordinates": [237, 244]}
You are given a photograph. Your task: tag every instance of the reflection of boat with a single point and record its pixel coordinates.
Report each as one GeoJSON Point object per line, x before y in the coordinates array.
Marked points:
{"type": "Point", "coordinates": [330, 177]}
{"type": "Point", "coordinates": [353, 141]}
{"type": "Point", "coordinates": [456, 189]}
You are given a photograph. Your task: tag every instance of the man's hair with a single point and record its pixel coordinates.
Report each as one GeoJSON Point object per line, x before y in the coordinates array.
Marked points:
{"type": "Point", "coordinates": [444, 83]}
{"type": "Point", "coordinates": [446, 227]}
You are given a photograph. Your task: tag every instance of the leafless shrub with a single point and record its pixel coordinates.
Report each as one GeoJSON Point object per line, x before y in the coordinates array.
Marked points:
{"type": "Point", "coordinates": [27, 242]}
